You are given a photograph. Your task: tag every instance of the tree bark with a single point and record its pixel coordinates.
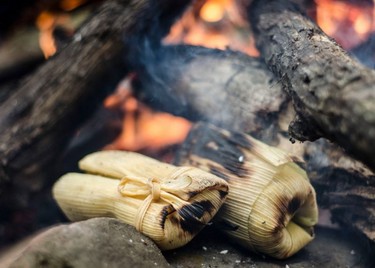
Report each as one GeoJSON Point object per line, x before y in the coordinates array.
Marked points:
{"type": "Point", "coordinates": [333, 94]}
{"type": "Point", "coordinates": [219, 87]}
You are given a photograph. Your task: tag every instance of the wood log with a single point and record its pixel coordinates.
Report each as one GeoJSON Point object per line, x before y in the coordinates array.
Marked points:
{"type": "Point", "coordinates": [194, 75]}
{"type": "Point", "coordinates": [42, 113]}
{"type": "Point", "coordinates": [226, 88]}
{"type": "Point", "coordinates": [333, 94]}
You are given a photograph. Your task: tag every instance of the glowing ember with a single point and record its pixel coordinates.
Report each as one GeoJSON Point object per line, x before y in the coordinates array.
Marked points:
{"type": "Point", "coordinates": [212, 11]}
{"type": "Point", "coordinates": [46, 23]}
{"type": "Point", "coordinates": [348, 22]}
{"type": "Point", "coordinates": [142, 127]}
{"type": "Point", "coordinates": [71, 4]}
{"type": "Point", "coordinates": [216, 24]}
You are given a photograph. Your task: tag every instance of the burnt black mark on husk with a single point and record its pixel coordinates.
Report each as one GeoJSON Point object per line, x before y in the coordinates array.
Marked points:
{"type": "Point", "coordinates": [280, 222]}
{"type": "Point", "coordinates": [294, 205]}
{"type": "Point", "coordinates": [298, 162]}
{"type": "Point", "coordinates": [223, 194]}
{"type": "Point", "coordinates": [241, 140]}
{"type": "Point", "coordinates": [214, 170]}
{"type": "Point", "coordinates": [191, 215]}
{"type": "Point", "coordinates": [164, 214]}
{"type": "Point", "coordinates": [195, 210]}
{"type": "Point", "coordinates": [193, 193]}
{"type": "Point", "coordinates": [227, 151]}
{"type": "Point", "coordinates": [226, 226]}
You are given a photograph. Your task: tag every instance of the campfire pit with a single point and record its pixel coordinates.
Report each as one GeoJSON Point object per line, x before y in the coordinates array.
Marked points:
{"type": "Point", "coordinates": [227, 88]}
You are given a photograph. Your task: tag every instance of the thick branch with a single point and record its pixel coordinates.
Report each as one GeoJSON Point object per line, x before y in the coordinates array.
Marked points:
{"type": "Point", "coordinates": [47, 106]}
{"type": "Point", "coordinates": [332, 93]}
{"type": "Point", "coordinates": [47, 100]}
{"type": "Point", "coordinates": [227, 88]}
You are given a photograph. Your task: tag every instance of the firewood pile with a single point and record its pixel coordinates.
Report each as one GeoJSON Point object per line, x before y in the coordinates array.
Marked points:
{"type": "Point", "coordinates": [304, 94]}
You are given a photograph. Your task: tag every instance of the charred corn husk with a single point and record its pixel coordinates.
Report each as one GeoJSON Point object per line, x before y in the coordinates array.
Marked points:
{"type": "Point", "coordinates": [167, 203]}
{"type": "Point", "coordinates": [271, 206]}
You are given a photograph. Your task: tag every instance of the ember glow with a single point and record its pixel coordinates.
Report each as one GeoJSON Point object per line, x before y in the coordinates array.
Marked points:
{"type": "Point", "coordinates": [215, 24]}
{"type": "Point", "coordinates": [69, 5]}
{"type": "Point", "coordinates": [46, 22]}
{"type": "Point", "coordinates": [143, 128]}
{"type": "Point", "coordinates": [212, 11]}
{"type": "Point", "coordinates": [349, 22]}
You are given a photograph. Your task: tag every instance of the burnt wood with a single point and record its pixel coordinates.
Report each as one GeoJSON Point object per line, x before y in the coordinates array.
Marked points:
{"type": "Point", "coordinates": [333, 94]}
{"type": "Point", "coordinates": [227, 88]}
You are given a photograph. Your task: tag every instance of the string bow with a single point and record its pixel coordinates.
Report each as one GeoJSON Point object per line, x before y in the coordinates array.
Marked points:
{"type": "Point", "coordinates": [152, 190]}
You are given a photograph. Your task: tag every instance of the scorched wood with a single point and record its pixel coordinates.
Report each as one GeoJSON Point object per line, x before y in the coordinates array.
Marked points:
{"type": "Point", "coordinates": [227, 88]}
{"type": "Point", "coordinates": [40, 115]}
{"type": "Point", "coordinates": [333, 94]}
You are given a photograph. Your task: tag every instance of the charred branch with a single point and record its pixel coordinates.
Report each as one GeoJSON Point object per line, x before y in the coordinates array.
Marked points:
{"type": "Point", "coordinates": [40, 114]}
{"type": "Point", "coordinates": [333, 94]}
{"type": "Point", "coordinates": [227, 88]}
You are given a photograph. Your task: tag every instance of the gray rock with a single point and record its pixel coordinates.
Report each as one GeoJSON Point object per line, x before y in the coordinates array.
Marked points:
{"type": "Point", "coordinates": [99, 242]}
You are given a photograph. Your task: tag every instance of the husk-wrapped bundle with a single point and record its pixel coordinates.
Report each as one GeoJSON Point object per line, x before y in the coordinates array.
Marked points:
{"type": "Point", "coordinates": [271, 206]}
{"type": "Point", "coordinates": [167, 203]}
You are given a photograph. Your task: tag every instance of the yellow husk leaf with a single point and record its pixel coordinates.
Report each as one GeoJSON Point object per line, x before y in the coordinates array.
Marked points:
{"type": "Point", "coordinates": [271, 206]}
{"type": "Point", "coordinates": [187, 198]}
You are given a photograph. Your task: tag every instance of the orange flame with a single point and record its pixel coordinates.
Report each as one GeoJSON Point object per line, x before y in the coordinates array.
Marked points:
{"type": "Point", "coordinates": [215, 24]}
{"type": "Point", "coordinates": [46, 23]}
{"type": "Point", "coordinates": [69, 5]}
{"type": "Point", "coordinates": [142, 127]}
{"type": "Point", "coordinates": [212, 11]}
{"type": "Point", "coordinates": [347, 22]}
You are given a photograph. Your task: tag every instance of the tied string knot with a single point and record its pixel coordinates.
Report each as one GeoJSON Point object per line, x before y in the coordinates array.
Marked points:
{"type": "Point", "coordinates": [155, 187]}
{"type": "Point", "coordinates": [154, 190]}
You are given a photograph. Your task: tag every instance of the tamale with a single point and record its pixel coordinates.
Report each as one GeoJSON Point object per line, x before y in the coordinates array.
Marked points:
{"type": "Point", "coordinates": [169, 204]}
{"type": "Point", "coordinates": [271, 206]}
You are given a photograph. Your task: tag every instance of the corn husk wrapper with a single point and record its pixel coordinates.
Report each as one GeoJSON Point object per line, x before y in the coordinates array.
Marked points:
{"type": "Point", "coordinates": [271, 206]}
{"type": "Point", "coordinates": [169, 204]}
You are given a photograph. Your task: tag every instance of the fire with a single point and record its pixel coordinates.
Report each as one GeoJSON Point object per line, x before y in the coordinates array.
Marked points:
{"type": "Point", "coordinates": [215, 24]}
{"type": "Point", "coordinates": [69, 5]}
{"type": "Point", "coordinates": [348, 22]}
{"type": "Point", "coordinates": [47, 22]}
{"type": "Point", "coordinates": [212, 11]}
{"type": "Point", "coordinates": [143, 128]}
